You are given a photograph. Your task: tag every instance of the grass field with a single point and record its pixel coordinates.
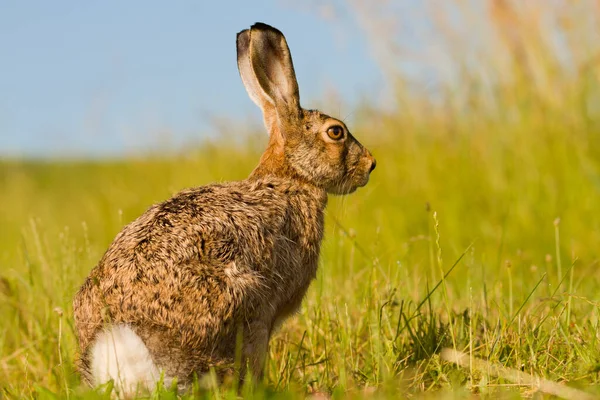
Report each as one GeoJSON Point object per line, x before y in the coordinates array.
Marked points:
{"type": "Point", "coordinates": [496, 190]}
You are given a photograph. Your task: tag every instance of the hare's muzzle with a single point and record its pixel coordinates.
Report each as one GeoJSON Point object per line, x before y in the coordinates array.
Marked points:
{"type": "Point", "coordinates": [371, 160]}
{"type": "Point", "coordinates": [368, 160]}
{"type": "Point", "coordinates": [367, 164]}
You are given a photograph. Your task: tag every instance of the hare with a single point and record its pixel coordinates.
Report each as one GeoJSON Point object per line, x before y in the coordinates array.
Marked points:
{"type": "Point", "coordinates": [216, 269]}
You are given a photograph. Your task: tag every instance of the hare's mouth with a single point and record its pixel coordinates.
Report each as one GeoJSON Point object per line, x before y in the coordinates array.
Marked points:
{"type": "Point", "coordinates": [349, 185]}
{"type": "Point", "coordinates": [356, 175]}
{"type": "Point", "coordinates": [360, 176]}
{"type": "Point", "coordinates": [364, 180]}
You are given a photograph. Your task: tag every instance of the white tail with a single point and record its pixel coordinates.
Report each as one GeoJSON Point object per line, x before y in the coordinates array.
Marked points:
{"type": "Point", "coordinates": [119, 354]}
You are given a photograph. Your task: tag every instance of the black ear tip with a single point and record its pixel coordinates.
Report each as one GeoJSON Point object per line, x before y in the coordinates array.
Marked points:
{"type": "Point", "coordinates": [261, 26]}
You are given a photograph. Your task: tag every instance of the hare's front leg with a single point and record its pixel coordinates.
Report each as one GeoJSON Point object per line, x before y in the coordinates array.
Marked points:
{"type": "Point", "coordinates": [255, 347]}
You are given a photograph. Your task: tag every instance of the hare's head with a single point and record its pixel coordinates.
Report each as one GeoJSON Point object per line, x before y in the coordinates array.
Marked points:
{"type": "Point", "coordinates": [304, 143]}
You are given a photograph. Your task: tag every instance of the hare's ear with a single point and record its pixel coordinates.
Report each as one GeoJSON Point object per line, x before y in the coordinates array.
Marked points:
{"type": "Point", "coordinates": [267, 71]}
{"type": "Point", "coordinates": [255, 91]}
{"type": "Point", "coordinates": [272, 64]}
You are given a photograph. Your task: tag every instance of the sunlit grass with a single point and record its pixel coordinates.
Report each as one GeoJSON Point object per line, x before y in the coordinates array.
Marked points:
{"type": "Point", "coordinates": [368, 322]}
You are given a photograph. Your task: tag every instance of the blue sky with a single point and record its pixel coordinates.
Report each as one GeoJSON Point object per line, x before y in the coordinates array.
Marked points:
{"type": "Point", "coordinates": [99, 78]}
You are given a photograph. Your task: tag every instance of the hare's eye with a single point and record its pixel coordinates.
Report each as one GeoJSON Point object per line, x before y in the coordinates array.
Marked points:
{"type": "Point", "coordinates": [336, 132]}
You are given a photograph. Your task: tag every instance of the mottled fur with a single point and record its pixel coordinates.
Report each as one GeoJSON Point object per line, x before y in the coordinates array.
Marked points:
{"type": "Point", "coordinates": [221, 262]}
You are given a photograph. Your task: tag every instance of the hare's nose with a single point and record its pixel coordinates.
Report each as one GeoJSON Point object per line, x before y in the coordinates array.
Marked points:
{"type": "Point", "coordinates": [372, 159]}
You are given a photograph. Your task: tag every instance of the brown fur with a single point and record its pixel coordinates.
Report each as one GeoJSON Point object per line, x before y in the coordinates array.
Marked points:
{"type": "Point", "coordinates": [193, 272]}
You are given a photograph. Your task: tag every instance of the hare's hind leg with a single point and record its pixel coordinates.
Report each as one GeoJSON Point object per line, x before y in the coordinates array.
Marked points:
{"type": "Point", "coordinates": [118, 353]}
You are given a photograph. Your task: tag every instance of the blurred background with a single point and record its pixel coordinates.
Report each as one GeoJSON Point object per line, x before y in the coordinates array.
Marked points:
{"type": "Point", "coordinates": [114, 78]}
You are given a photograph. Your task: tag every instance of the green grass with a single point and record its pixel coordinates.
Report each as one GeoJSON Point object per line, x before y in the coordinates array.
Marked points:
{"type": "Point", "coordinates": [509, 211]}
{"type": "Point", "coordinates": [496, 187]}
